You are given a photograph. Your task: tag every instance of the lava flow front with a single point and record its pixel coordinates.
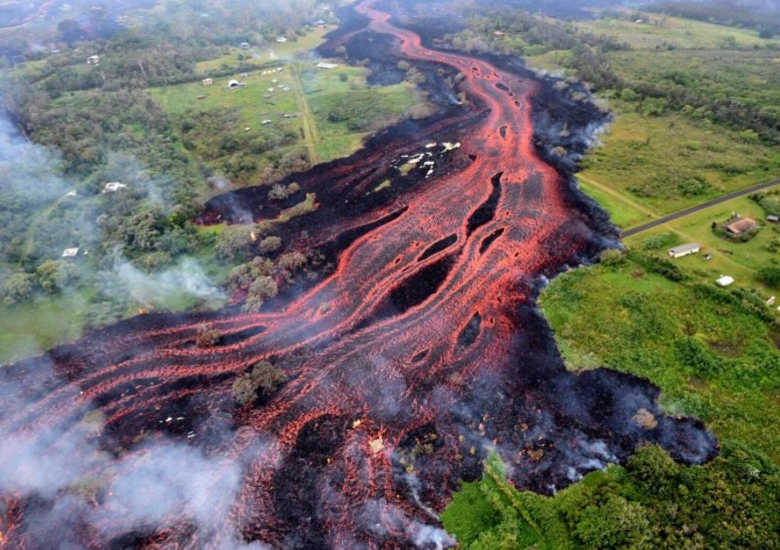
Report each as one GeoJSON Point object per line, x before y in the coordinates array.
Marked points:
{"type": "Point", "coordinates": [418, 355]}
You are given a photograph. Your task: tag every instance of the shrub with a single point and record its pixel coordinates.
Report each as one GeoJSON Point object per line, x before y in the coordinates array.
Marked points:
{"type": "Point", "coordinates": [208, 337]}
{"type": "Point", "coordinates": [270, 244]}
{"type": "Point", "coordinates": [612, 257]}
{"type": "Point", "coordinates": [770, 276]}
{"type": "Point", "coordinates": [260, 290]}
{"type": "Point", "coordinates": [264, 376]}
{"type": "Point", "coordinates": [233, 242]}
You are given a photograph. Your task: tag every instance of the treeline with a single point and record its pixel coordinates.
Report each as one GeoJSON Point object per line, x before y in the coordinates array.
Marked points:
{"type": "Point", "coordinates": [731, 14]}
{"type": "Point", "coordinates": [520, 33]}
{"type": "Point", "coordinates": [652, 503]}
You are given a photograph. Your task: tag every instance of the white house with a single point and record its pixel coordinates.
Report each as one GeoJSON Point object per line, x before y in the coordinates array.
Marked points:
{"type": "Point", "coordinates": [327, 66]}
{"type": "Point", "coordinates": [281, 40]}
{"type": "Point", "coordinates": [70, 252]}
{"type": "Point", "coordinates": [93, 60]}
{"type": "Point", "coordinates": [208, 81]}
{"type": "Point", "coordinates": [684, 250]}
{"type": "Point", "coordinates": [114, 186]}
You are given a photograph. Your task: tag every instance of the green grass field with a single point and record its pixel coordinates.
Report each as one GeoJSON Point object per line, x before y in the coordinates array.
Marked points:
{"type": "Point", "coordinates": [707, 350]}
{"type": "Point", "coordinates": [311, 95]}
{"type": "Point", "coordinates": [271, 53]}
{"type": "Point", "coordinates": [670, 162]}
{"type": "Point", "coordinates": [662, 31]}
{"type": "Point", "coordinates": [31, 328]}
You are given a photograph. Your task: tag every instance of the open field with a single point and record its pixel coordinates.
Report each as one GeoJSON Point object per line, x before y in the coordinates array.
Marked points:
{"type": "Point", "coordinates": [270, 53]}
{"type": "Point", "coordinates": [670, 162]}
{"type": "Point", "coordinates": [254, 116]}
{"type": "Point", "coordinates": [657, 31]}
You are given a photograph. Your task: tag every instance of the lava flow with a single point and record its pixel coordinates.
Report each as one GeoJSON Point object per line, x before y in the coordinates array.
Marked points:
{"type": "Point", "coordinates": [417, 356]}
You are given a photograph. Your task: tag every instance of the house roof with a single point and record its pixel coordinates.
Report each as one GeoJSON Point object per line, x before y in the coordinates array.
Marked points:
{"type": "Point", "coordinates": [741, 225]}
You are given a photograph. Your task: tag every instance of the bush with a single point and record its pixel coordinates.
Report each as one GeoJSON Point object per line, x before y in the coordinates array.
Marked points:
{"type": "Point", "coordinates": [270, 244]}
{"type": "Point", "coordinates": [612, 257]}
{"type": "Point", "coordinates": [18, 288]}
{"type": "Point", "coordinates": [208, 337]}
{"type": "Point", "coordinates": [770, 276]}
{"type": "Point", "coordinates": [264, 376]}
{"type": "Point", "coordinates": [233, 242]}
{"type": "Point", "coordinates": [260, 290]}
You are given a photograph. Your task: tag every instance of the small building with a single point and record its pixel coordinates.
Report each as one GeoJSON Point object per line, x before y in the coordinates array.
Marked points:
{"type": "Point", "coordinates": [684, 250]}
{"type": "Point", "coordinates": [114, 186]}
{"type": "Point", "coordinates": [742, 225]}
{"type": "Point", "coordinates": [327, 66]}
{"type": "Point", "coordinates": [281, 40]}
{"type": "Point", "coordinates": [70, 252]}
{"type": "Point", "coordinates": [725, 281]}
{"type": "Point", "coordinates": [245, 45]}
{"type": "Point", "coordinates": [771, 301]}
{"type": "Point", "coordinates": [208, 81]}
{"type": "Point", "coordinates": [235, 84]}
{"type": "Point", "coordinates": [266, 122]}
{"type": "Point", "coordinates": [773, 219]}
{"type": "Point", "coordinates": [499, 34]}
{"type": "Point", "coordinates": [93, 60]}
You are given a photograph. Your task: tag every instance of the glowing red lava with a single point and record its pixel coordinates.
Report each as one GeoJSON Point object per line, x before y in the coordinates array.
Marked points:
{"type": "Point", "coordinates": [420, 352]}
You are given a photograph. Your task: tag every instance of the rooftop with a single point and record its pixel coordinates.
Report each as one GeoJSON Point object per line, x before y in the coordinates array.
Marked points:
{"type": "Point", "coordinates": [741, 226]}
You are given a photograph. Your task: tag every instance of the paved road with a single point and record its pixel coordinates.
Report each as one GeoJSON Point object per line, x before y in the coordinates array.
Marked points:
{"type": "Point", "coordinates": [699, 207]}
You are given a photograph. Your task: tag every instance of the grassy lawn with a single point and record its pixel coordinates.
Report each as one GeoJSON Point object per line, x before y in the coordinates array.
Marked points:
{"type": "Point", "coordinates": [623, 210]}
{"type": "Point", "coordinates": [33, 327]}
{"type": "Point", "coordinates": [670, 162]}
{"type": "Point", "coordinates": [706, 348]}
{"type": "Point", "coordinates": [662, 31]}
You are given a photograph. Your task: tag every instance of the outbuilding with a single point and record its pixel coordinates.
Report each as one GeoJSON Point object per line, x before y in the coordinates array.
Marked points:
{"type": "Point", "coordinates": [208, 81]}
{"type": "Point", "coordinates": [114, 186]}
{"type": "Point", "coordinates": [725, 281]}
{"type": "Point", "coordinates": [70, 252]}
{"type": "Point", "coordinates": [327, 66]}
{"type": "Point", "coordinates": [773, 218]}
{"type": "Point", "coordinates": [684, 250]}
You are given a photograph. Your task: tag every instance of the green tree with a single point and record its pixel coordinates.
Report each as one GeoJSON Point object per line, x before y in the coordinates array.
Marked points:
{"type": "Point", "coordinates": [260, 290]}
{"type": "Point", "coordinates": [233, 242]}
{"type": "Point", "coordinates": [18, 288]}
{"type": "Point", "coordinates": [54, 275]}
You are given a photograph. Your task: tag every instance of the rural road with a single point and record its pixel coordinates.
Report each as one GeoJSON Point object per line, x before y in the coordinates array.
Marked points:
{"type": "Point", "coordinates": [699, 207]}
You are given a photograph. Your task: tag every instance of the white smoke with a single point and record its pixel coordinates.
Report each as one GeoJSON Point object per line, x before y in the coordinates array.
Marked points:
{"type": "Point", "coordinates": [187, 278]}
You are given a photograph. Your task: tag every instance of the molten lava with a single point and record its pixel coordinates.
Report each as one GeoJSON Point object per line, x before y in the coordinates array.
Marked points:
{"type": "Point", "coordinates": [419, 354]}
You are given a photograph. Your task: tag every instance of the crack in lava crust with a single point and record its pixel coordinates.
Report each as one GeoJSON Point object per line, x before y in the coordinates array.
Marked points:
{"type": "Point", "coordinates": [429, 353]}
